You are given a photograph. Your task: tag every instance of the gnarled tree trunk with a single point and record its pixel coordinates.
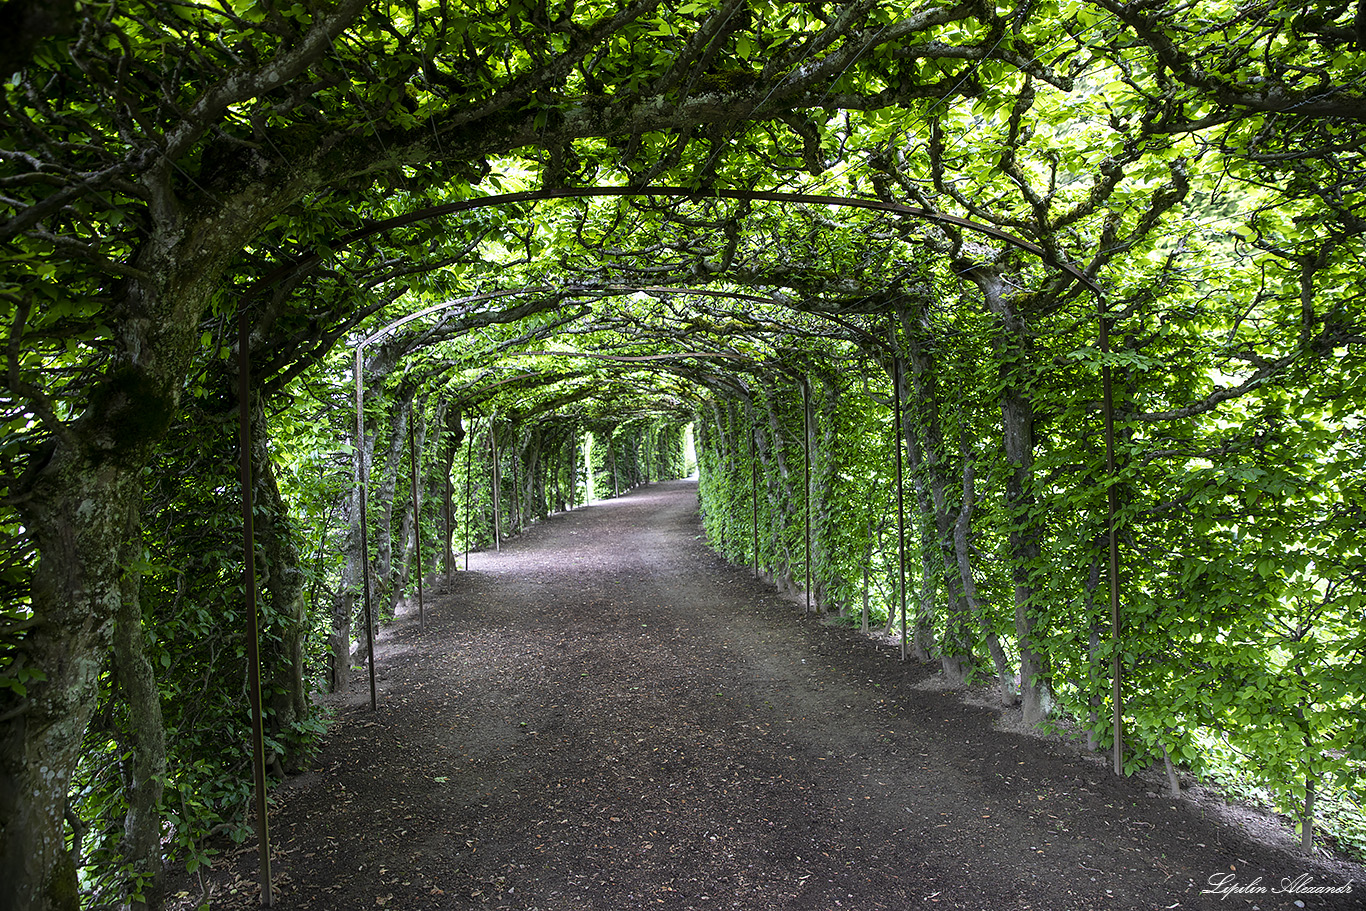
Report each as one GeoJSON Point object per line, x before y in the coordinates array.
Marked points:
{"type": "Point", "coordinates": [388, 573]}
{"type": "Point", "coordinates": [929, 461]}
{"type": "Point", "coordinates": [282, 581]}
{"type": "Point", "coordinates": [1005, 674]}
{"type": "Point", "coordinates": [145, 770]}
{"type": "Point", "coordinates": [1017, 423]}
{"type": "Point", "coordinates": [79, 503]}
{"type": "Point", "coordinates": [80, 518]}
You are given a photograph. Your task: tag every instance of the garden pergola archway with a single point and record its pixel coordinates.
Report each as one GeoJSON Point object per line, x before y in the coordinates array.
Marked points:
{"type": "Point", "coordinates": [435, 213]}
{"type": "Point", "coordinates": [360, 469]}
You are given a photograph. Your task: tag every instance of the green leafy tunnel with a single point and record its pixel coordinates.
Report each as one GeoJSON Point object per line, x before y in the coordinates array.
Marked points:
{"type": "Point", "coordinates": [570, 248]}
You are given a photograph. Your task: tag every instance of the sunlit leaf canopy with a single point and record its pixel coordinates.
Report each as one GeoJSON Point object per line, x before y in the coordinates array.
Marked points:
{"type": "Point", "coordinates": [1046, 119]}
{"type": "Point", "coordinates": [642, 301]}
{"type": "Point", "coordinates": [643, 305]}
{"type": "Point", "coordinates": [166, 161]}
{"type": "Point", "coordinates": [777, 96]}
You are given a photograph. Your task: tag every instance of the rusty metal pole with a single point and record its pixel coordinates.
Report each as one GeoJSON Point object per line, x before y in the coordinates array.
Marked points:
{"type": "Point", "coordinates": [754, 497]}
{"type": "Point", "coordinates": [589, 479]}
{"type": "Point", "coordinates": [899, 427]}
{"type": "Point", "coordinates": [447, 507]}
{"type": "Point", "coordinates": [417, 518]}
{"type": "Point", "coordinates": [258, 745]}
{"type": "Point", "coordinates": [806, 475]}
{"type": "Point", "coordinates": [446, 555]}
{"type": "Point", "coordinates": [469, 491]}
{"type": "Point", "coordinates": [1112, 532]}
{"type": "Point", "coordinates": [363, 481]}
{"type": "Point", "coordinates": [515, 516]}
{"type": "Point", "coordinates": [493, 486]}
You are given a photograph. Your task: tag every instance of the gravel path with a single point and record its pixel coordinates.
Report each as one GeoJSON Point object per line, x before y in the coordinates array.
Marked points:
{"type": "Point", "coordinates": [607, 716]}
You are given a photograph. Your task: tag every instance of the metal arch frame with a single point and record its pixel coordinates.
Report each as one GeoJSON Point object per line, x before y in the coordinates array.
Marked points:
{"type": "Point", "coordinates": [898, 209]}
{"type": "Point", "coordinates": [361, 475]}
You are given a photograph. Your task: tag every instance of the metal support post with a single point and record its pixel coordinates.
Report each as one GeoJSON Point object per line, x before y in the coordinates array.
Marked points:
{"type": "Point", "coordinates": [469, 480]}
{"type": "Point", "coordinates": [417, 517]}
{"type": "Point", "coordinates": [363, 480]}
{"type": "Point", "coordinates": [258, 746]}
{"type": "Point", "coordinates": [446, 554]}
{"type": "Point", "coordinates": [806, 475]}
{"type": "Point", "coordinates": [754, 498]}
{"type": "Point", "coordinates": [494, 483]}
{"type": "Point", "coordinates": [1112, 532]}
{"type": "Point", "coordinates": [899, 428]}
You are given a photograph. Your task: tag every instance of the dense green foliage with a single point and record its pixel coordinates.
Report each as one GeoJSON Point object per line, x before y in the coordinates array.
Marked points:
{"type": "Point", "coordinates": [1193, 170]}
{"type": "Point", "coordinates": [1240, 624]}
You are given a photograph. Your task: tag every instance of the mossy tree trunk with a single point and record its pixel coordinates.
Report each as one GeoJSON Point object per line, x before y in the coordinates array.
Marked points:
{"type": "Point", "coordinates": [825, 442]}
{"type": "Point", "coordinates": [783, 497]}
{"type": "Point", "coordinates": [403, 571]}
{"type": "Point", "coordinates": [1026, 532]}
{"type": "Point", "coordinates": [145, 769]}
{"type": "Point", "coordinates": [344, 601]}
{"type": "Point", "coordinates": [80, 518]}
{"type": "Point", "coordinates": [389, 574]}
{"type": "Point", "coordinates": [453, 433]}
{"type": "Point", "coordinates": [80, 501]}
{"type": "Point", "coordinates": [923, 423]}
{"type": "Point", "coordinates": [286, 622]}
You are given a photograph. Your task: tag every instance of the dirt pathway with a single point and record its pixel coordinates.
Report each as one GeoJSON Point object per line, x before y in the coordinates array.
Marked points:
{"type": "Point", "coordinates": [607, 716]}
